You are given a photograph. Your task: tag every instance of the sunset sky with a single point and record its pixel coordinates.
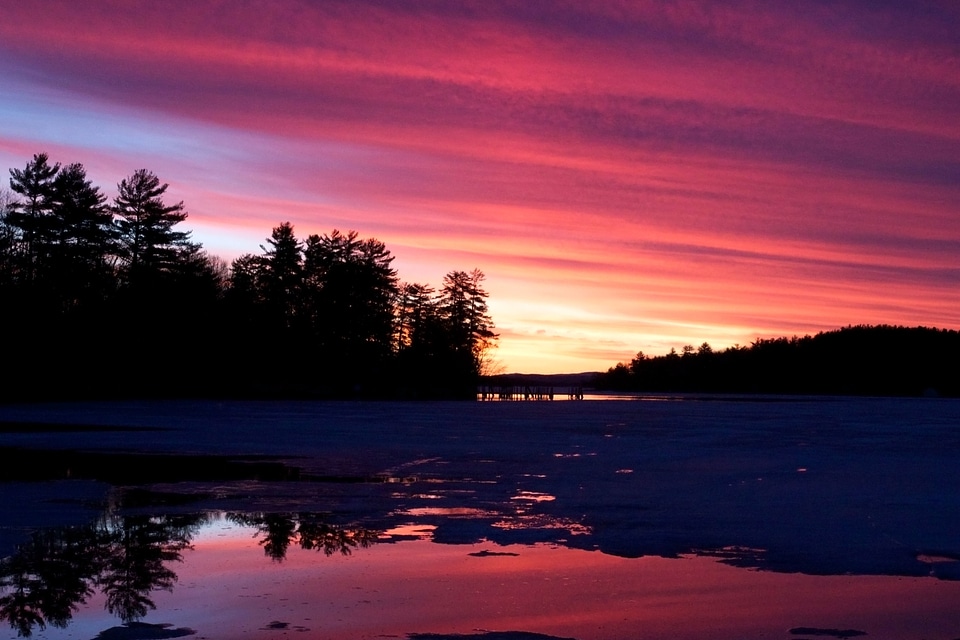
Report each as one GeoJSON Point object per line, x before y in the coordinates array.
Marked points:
{"type": "Point", "coordinates": [628, 175]}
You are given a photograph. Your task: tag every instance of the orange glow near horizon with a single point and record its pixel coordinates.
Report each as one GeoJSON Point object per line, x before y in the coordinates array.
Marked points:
{"type": "Point", "coordinates": [628, 177]}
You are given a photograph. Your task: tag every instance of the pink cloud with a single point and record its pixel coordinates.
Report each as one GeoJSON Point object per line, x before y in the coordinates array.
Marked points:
{"type": "Point", "coordinates": [647, 172]}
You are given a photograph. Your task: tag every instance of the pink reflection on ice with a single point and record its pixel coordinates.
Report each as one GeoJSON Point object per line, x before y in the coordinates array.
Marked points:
{"type": "Point", "coordinates": [450, 512]}
{"type": "Point", "coordinates": [227, 589]}
{"type": "Point", "coordinates": [534, 496]}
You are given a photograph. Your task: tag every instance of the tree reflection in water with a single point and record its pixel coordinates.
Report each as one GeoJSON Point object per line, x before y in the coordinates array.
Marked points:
{"type": "Point", "coordinates": [127, 557]}
{"type": "Point", "coordinates": [308, 530]}
{"type": "Point", "coordinates": [48, 577]}
{"type": "Point", "coordinates": [137, 551]}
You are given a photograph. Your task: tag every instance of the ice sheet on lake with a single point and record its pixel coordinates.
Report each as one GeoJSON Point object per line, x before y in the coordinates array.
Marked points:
{"type": "Point", "coordinates": [823, 486]}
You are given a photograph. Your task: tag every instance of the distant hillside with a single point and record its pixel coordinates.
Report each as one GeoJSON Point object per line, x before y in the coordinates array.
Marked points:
{"type": "Point", "coordinates": [857, 360]}
{"type": "Point", "coordinates": [558, 380]}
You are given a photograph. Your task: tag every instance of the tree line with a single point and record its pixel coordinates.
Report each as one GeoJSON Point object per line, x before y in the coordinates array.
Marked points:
{"type": "Point", "coordinates": [112, 298]}
{"type": "Point", "coordinates": [857, 360]}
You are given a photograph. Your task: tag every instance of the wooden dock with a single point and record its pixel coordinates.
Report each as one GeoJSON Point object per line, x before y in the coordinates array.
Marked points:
{"type": "Point", "coordinates": [512, 392]}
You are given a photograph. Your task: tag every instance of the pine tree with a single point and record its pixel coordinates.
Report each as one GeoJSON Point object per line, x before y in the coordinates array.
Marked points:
{"type": "Point", "coordinates": [283, 273]}
{"type": "Point", "coordinates": [150, 247]}
{"type": "Point", "coordinates": [351, 289]}
{"type": "Point", "coordinates": [82, 238]}
{"type": "Point", "coordinates": [31, 215]}
{"type": "Point", "coordinates": [469, 328]}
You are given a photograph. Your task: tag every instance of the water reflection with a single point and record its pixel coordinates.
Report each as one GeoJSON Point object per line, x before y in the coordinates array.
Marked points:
{"type": "Point", "coordinates": [309, 531]}
{"type": "Point", "coordinates": [418, 589]}
{"type": "Point", "coordinates": [46, 579]}
{"type": "Point", "coordinates": [572, 521]}
{"type": "Point", "coordinates": [126, 558]}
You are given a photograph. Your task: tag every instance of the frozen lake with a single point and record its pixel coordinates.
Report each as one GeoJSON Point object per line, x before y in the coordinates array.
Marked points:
{"type": "Point", "coordinates": [659, 518]}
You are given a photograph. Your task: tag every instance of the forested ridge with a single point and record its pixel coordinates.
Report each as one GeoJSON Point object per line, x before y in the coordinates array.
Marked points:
{"type": "Point", "coordinates": [857, 360]}
{"type": "Point", "coordinates": [112, 298]}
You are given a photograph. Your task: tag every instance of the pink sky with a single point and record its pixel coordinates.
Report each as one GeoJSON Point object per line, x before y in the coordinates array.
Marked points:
{"type": "Point", "coordinates": [629, 176]}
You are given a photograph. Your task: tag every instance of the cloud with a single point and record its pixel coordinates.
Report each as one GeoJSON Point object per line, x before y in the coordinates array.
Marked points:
{"type": "Point", "coordinates": [638, 172]}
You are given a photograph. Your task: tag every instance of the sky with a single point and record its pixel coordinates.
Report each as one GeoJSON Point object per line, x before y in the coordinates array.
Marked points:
{"type": "Point", "coordinates": [629, 176]}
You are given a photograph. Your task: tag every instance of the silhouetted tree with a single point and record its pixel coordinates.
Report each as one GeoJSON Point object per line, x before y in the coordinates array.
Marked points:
{"type": "Point", "coordinates": [245, 306]}
{"type": "Point", "coordinates": [8, 242]}
{"type": "Point", "coordinates": [30, 215]}
{"type": "Point", "coordinates": [82, 239]}
{"type": "Point", "coordinates": [168, 292]}
{"type": "Point", "coordinates": [282, 274]}
{"type": "Point", "coordinates": [415, 308]}
{"type": "Point", "coordinates": [50, 268]}
{"type": "Point", "coordinates": [246, 279]}
{"type": "Point", "coordinates": [58, 237]}
{"type": "Point", "coordinates": [350, 289]}
{"type": "Point", "coordinates": [89, 290]}
{"type": "Point", "coordinates": [463, 306]}
{"type": "Point", "coordinates": [150, 246]}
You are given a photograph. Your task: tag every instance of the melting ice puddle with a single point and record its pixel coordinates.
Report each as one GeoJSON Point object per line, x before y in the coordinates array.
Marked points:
{"type": "Point", "coordinates": [228, 588]}
{"type": "Point", "coordinates": [534, 496]}
{"type": "Point", "coordinates": [450, 512]}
